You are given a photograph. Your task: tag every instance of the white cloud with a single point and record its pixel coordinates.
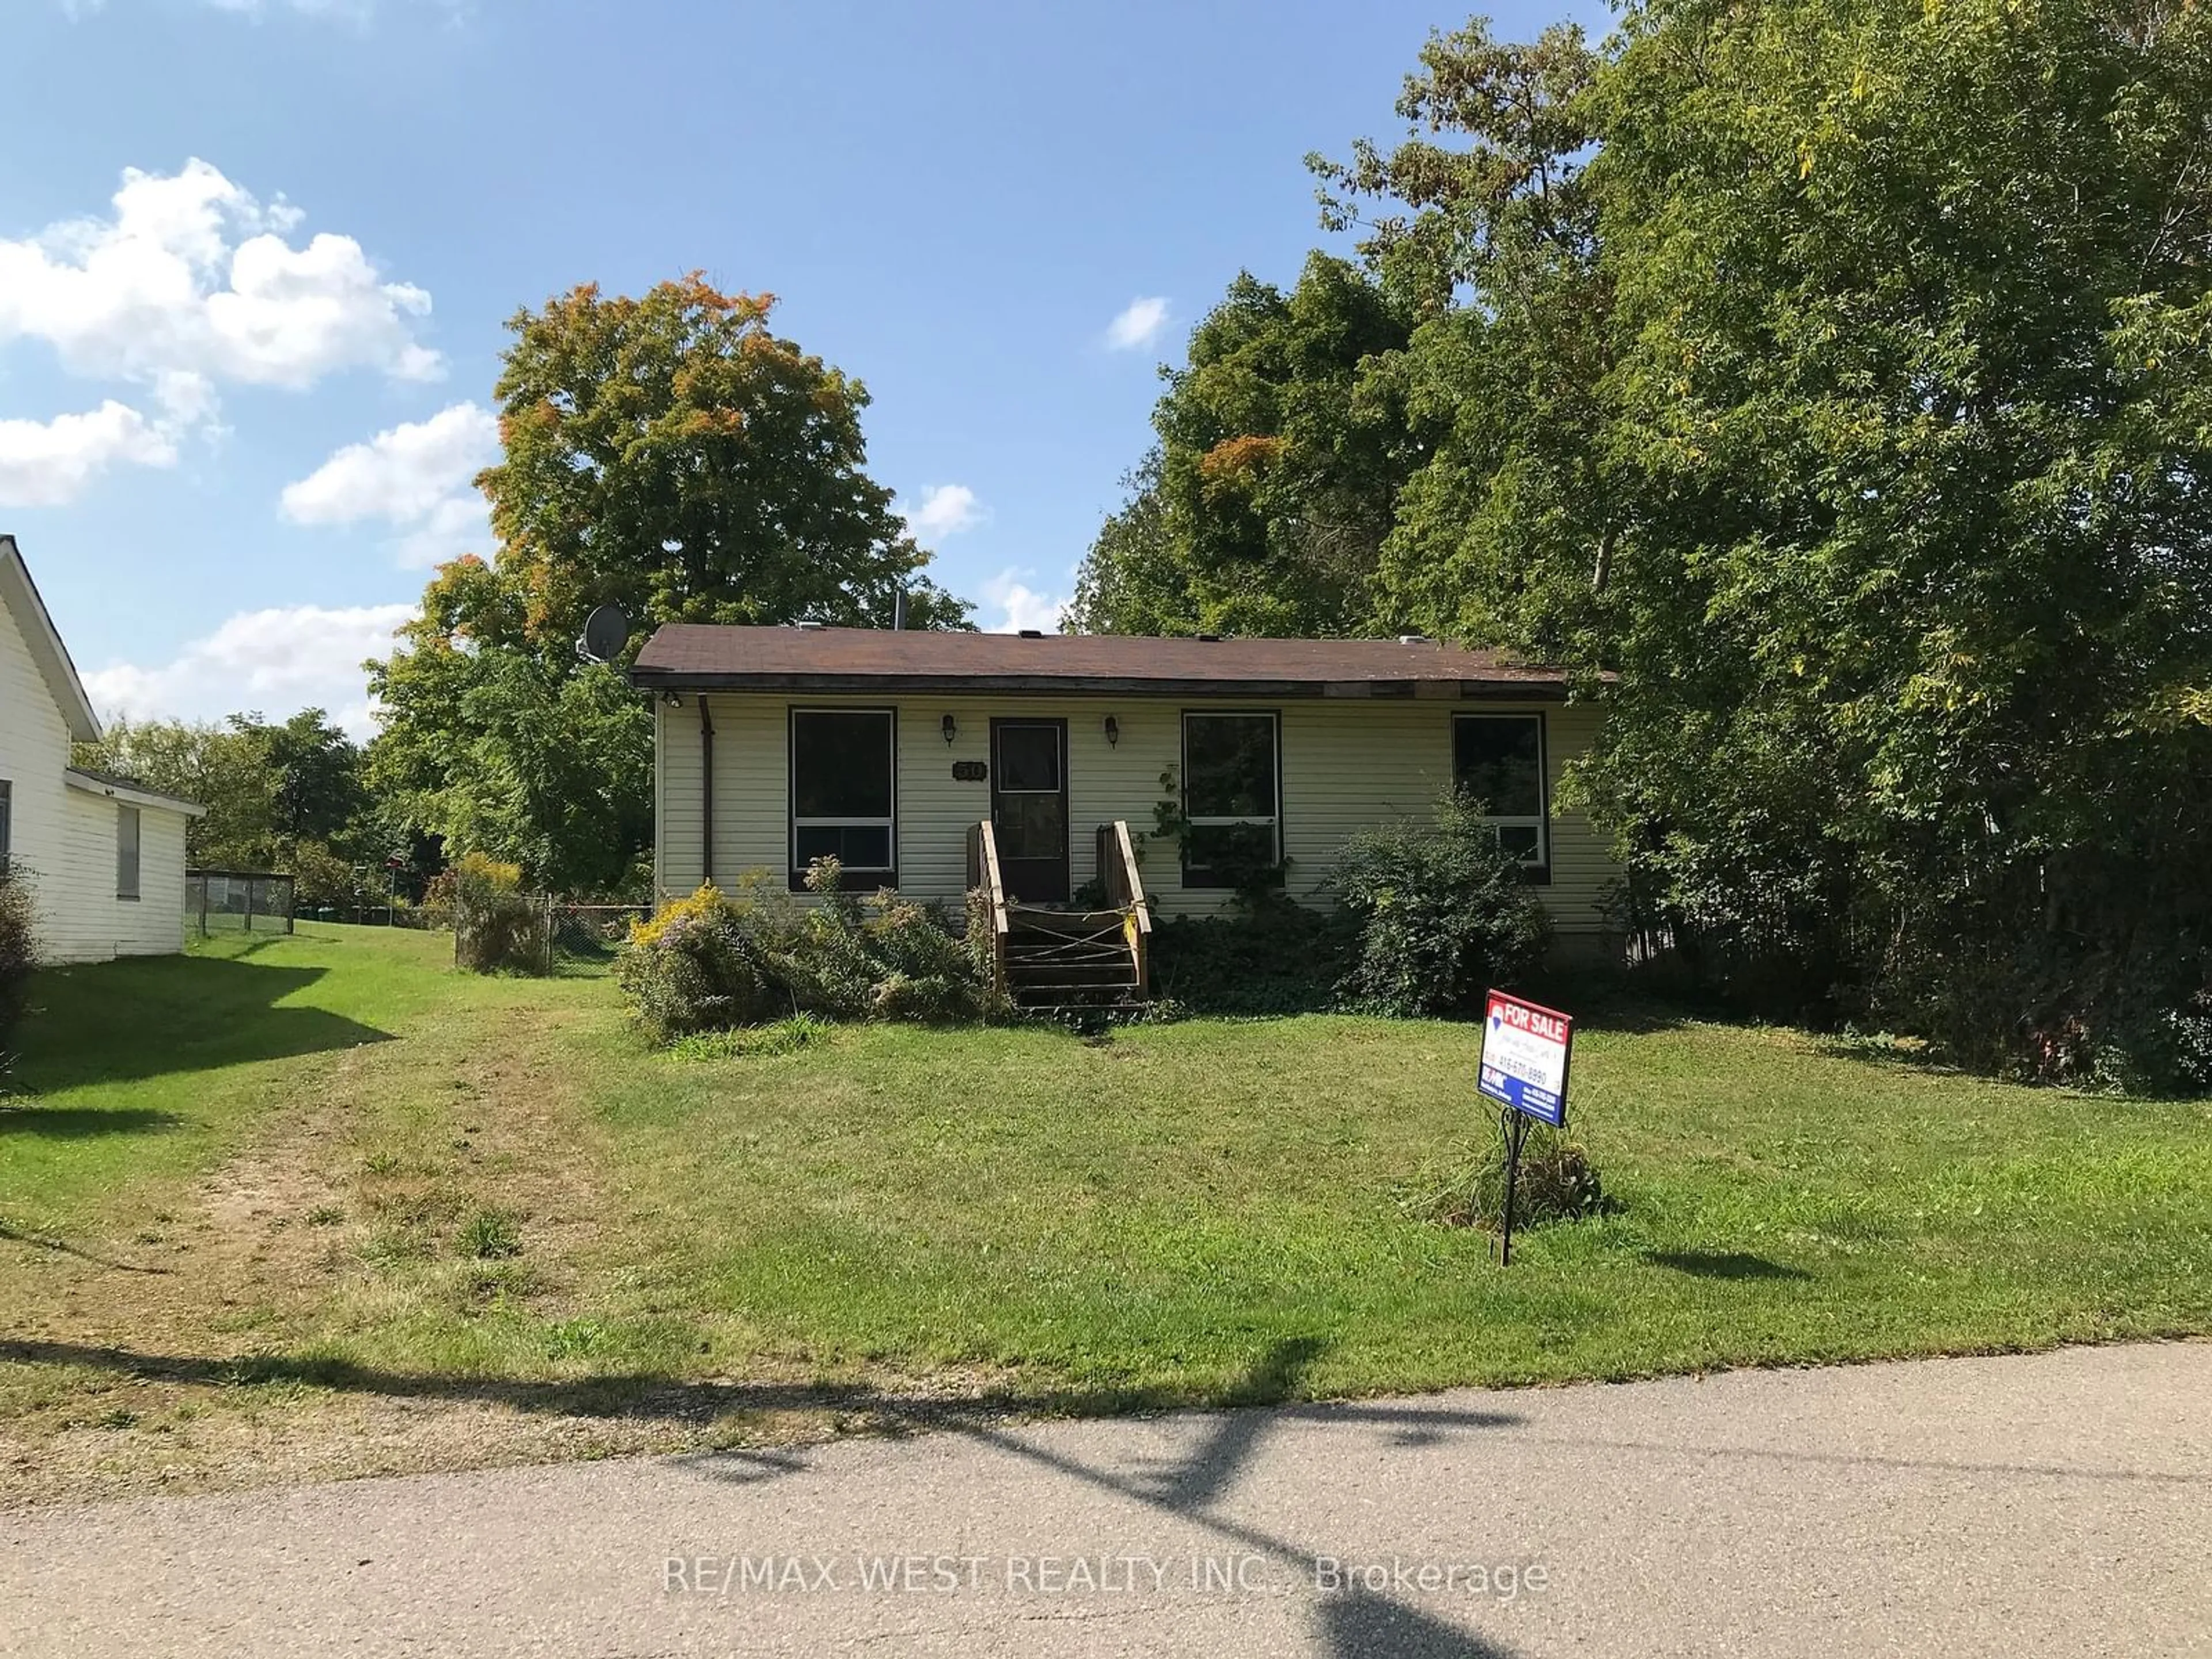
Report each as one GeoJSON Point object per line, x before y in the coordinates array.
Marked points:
{"type": "Point", "coordinates": [192, 274]}
{"type": "Point", "coordinates": [945, 510]}
{"type": "Point", "coordinates": [278, 661]}
{"type": "Point", "coordinates": [48, 463]}
{"type": "Point", "coordinates": [1138, 325]}
{"type": "Point", "coordinates": [52, 463]}
{"type": "Point", "coordinates": [417, 477]}
{"type": "Point", "coordinates": [1022, 606]}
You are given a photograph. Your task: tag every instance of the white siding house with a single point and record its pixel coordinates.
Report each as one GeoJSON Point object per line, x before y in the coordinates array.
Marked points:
{"type": "Point", "coordinates": [102, 858]}
{"type": "Point", "coordinates": [775, 744]}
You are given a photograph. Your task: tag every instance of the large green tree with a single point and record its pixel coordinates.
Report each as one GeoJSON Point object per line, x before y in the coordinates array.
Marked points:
{"type": "Point", "coordinates": [1835, 371]}
{"type": "Point", "coordinates": [269, 788]}
{"type": "Point", "coordinates": [1264, 506]}
{"type": "Point", "coordinates": [669, 454]}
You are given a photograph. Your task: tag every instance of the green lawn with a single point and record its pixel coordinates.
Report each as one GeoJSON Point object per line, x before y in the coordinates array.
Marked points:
{"type": "Point", "coordinates": [334, 1154]}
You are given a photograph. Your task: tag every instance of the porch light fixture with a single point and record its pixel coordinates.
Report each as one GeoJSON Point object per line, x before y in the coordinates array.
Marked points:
{"type": "Point", "coordinates": [1113, 733]}
{"type": "Point", "coordinates": [951, 728]}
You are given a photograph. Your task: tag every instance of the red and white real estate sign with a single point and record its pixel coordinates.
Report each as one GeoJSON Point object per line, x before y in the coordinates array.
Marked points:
{"type": "Point", "coordinates": [1525, 1051]}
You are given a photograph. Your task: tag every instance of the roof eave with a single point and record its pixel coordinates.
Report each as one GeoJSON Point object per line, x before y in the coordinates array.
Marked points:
{"type": "Point", "coordinates": [1092, 685]}
{"type": "Point", "coordinates": [131, 794]}
{"type": "Point", "coordinates": [22, 595]}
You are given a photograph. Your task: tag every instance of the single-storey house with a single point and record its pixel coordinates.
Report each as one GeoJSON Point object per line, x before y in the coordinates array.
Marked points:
{"type": "Point", "coordinates": [773, 746]}
{"type": "Point", "coordinates": [102, 858]}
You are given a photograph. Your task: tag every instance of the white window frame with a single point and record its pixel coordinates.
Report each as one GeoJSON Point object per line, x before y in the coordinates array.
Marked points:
{"type": "Point", "coordinates": [798, 871]}
{"type": "Point", "coordinates": [1541, 822]}
{"type": "Point", "coordinates": [1273, 821]}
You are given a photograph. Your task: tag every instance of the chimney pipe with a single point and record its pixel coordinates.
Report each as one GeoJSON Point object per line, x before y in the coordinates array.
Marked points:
{"type": "Point", "coordinates": [898, 611]}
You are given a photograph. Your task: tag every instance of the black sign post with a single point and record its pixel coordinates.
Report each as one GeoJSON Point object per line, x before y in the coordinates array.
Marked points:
{"type": "Point", "coordinates": [1526, 1052]}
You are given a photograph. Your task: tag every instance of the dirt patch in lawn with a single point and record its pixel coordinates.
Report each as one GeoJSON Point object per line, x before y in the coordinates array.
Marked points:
{"type": "Point", "coordinates": [449, 1176]}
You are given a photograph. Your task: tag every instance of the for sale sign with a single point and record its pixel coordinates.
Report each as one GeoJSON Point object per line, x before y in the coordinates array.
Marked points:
{"type": "Point", "coordinates": [1524, 1058]}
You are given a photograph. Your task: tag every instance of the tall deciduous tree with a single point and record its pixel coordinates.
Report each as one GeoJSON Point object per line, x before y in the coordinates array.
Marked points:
{"type": "Point", "coordinates": [1835, 370]}
{"type": "Point", "coordinates": [668, 454]}
{"type": "Point", "coordinates": [1264, 506]}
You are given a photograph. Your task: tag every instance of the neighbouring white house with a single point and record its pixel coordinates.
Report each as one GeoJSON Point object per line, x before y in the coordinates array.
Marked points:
{"type": "Point", "coordinates": [103, 858]}
{"type": "Point", "coordinates": [910, 755]}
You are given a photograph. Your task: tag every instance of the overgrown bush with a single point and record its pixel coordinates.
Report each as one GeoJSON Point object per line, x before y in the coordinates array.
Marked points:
{"type": "Point", "coordinates": [716, 961]}
{"type": "Point", "coordinates": [18, 958]}
{"type": "Point", "coordinates": [1441, 911]}
{"type": "Point", "coordinates": [1557, 1182]}
{"type": "Point", "coordinates": [496, 925]}
{"type": "Point", "coordinates": [1267, 956]}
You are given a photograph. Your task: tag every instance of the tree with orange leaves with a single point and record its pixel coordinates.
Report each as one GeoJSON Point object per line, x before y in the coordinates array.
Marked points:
{"type": "Point", "coordinates": [669, 454]}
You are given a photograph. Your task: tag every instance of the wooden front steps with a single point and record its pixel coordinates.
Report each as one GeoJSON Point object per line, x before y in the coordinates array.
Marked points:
{"type": "Point", "coordinates": [1087, 963]}
{"type": "Point", "coordinates": [1070, 961]}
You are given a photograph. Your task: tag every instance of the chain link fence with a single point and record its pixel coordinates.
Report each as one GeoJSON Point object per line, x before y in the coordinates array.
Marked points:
{"type": "Point", "coordinates": [590, 933]}
{"type": "Point", "coordinates": [238, 901]}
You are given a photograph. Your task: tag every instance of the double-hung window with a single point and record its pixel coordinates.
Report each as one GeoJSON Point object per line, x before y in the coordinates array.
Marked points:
{"type": "Point", "coordinates": [1497, 761]}
{"type": "Point", "coordinates": [1232, 798]}
{"type": "Point", "coordinates": [126, 852]}
{"type": "Point", "coordinates": [844, 794]}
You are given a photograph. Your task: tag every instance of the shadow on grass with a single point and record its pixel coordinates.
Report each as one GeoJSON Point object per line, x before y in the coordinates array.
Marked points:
{"type": "Point", "coordinates": [1722, 1264]}
{"type": "Point", "coordinates": [159, 1016]}
{"type": "Point", "coordinates": [63, 1247]}
{"type": "Point", "coordinates": [77, 1122]}
{"type": "Point", "coordinates": [648, 1396]}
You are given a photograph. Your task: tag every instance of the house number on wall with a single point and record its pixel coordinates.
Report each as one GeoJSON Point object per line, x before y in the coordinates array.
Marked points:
{"type": "Point", "coordinates": [970, 771]}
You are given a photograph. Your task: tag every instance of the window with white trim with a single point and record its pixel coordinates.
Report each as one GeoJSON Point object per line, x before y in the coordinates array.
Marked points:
{"type": "Point", "coordinates": [1498, 760]}
{"type": "Point", "coordinates": [1232, 797]}
{"type": "Point", "coordinates": [126, 852]}
{"type": "Point", "coordinates": [844, 792]}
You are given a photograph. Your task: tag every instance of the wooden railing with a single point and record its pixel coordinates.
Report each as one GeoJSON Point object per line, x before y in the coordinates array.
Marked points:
{"type": "Point", "coordinates": [983, 877]}
{"type": "Point", "coordinates": [1125, 889]}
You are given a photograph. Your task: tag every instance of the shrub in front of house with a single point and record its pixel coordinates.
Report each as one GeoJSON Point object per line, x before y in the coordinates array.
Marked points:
{"type": "Point", "coordinates": [497, 927]}
{"type": "Point", "coordinates": [1556, 1181]}
{"type": "Point", "coordinates": [1441, 911]}
{"type": "Point", "coordinates": [1267, 955]}
{"type": "Point", "coordinates": [720, 960]}
{"type": "Point", "coordinates": [18, 959]}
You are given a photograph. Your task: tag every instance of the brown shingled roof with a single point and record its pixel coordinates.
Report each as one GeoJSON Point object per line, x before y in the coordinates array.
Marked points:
{"type": "Point", "coordinates": [694, 656]}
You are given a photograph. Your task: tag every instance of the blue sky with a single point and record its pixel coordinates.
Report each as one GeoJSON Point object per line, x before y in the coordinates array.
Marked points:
{"type": "Point", "coordinates": [255, 257]}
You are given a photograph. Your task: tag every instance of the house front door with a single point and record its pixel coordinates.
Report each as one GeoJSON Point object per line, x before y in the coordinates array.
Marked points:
{"type": "Point", "coordinates": [1029, 807]}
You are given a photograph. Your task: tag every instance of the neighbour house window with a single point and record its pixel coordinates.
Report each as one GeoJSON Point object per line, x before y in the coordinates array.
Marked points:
{"type": "Point", "coordinates": [1232, 798]}
{"type": "Point", "coordinates": [843, 793]}
{"type": "Point", "coordinates": [1499, 759]}
{"type": "Point", "coordinates": [7, 822]}
{"type": "Point", "coordinates": [126, 852]}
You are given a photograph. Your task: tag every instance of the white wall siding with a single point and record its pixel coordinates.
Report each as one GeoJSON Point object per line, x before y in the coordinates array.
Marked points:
{"type": "Point", "coordinates": [1346, 764]}
{"type": "Point", "coordinates": [64, 839]}
{"type": "Point", "coordinates": [35, 750]}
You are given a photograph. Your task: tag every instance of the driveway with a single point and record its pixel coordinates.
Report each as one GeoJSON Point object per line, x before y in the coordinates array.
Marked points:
{"type": "Point", "coordinates": [2056, 1503]}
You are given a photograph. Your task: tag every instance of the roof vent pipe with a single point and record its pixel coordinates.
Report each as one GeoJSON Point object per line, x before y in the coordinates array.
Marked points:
{"type": "Point", "coordinates": [898, 612]}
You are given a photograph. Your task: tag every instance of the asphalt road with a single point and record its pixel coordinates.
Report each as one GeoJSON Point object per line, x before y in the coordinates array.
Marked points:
{"type": "Point", "coordinates": [2054, 1503]}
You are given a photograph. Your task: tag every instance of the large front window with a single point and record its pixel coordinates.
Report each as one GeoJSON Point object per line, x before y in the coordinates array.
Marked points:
{"type": "Point", "coordinates": [1498, 760]}
{"type": "Point", "coordinates": [1232, 798]}
{"type": "Point", "coordinates": [843, 793]}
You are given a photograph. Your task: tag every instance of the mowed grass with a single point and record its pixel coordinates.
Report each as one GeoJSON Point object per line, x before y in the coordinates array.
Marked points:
{"type": "Point", "coordinates": [366, 1175]}
{"type": "Point", "coordinates": [1166, 1214]}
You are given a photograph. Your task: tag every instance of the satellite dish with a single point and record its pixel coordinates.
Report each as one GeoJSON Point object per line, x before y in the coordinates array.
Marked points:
{"type": "Point", "coordinates": [606, 630]}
